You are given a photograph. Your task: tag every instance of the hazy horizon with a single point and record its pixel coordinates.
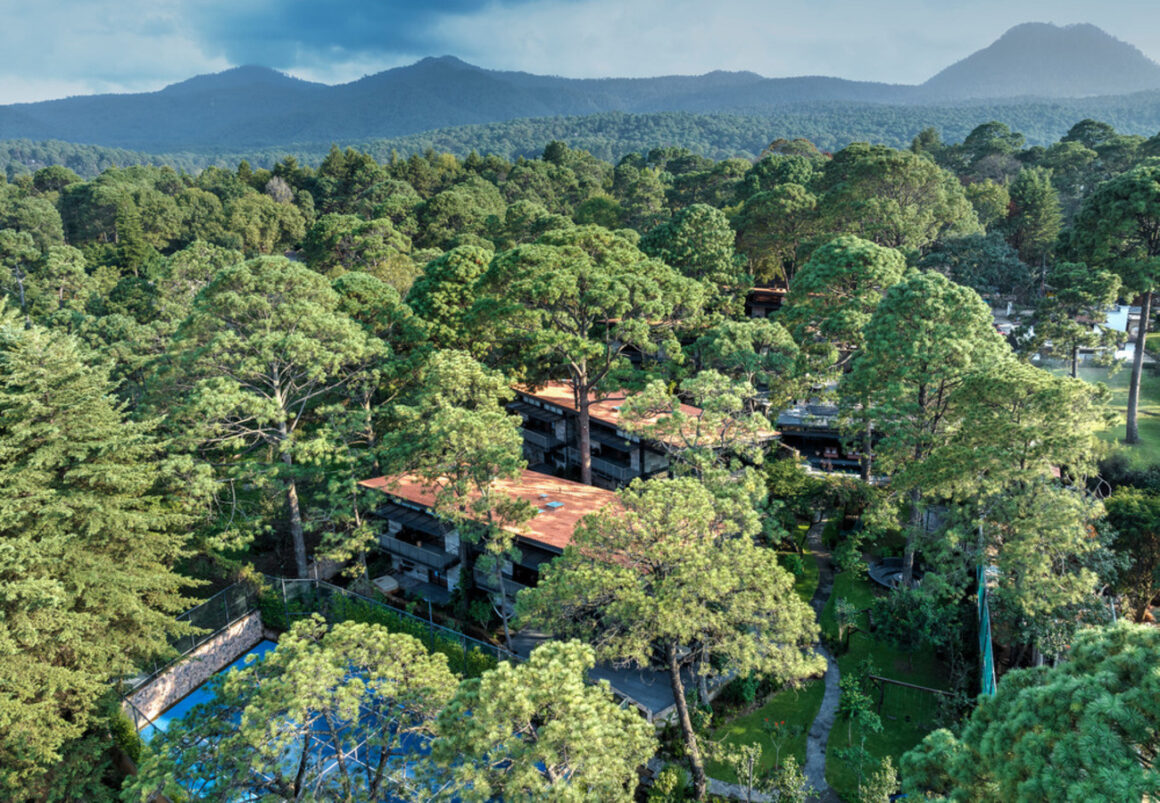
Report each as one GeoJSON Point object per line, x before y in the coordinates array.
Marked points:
{"type": "Point", "coordinates": [79, 48]}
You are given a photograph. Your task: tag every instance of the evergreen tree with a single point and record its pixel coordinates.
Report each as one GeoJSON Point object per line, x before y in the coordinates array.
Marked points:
{"type": "Point", "coordinates": [293, 725]}
{"type": "Point", "coordinates": [89, 532]}
{"type": "Point", "coordinates": [540, 731]}
{"type": "Point", "coordinates": [1118, 229]}
{"type": "Point", "coordinates": [265, 345]}
{"type": "Point", "coordinates": [1087, 729]}
{"type": "Point", "coordinates": [662, 577]}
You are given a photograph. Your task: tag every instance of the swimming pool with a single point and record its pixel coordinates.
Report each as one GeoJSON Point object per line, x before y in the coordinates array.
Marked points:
{"type": "Point", "coordinates": [201, 694]}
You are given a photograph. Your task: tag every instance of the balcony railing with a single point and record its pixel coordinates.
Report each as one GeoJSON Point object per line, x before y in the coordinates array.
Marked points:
{"type": "Point", "coordinates": [541, 439]}
{"type": "Point", "coordinates": [616, 471]}
{"type": "Point", "coordinates": [426, 554]}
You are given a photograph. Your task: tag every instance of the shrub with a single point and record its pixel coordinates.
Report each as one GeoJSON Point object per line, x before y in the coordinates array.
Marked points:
{"type": "Point", "coordinates": [339, 608]}
{"type": "Point", "coordinates": [830, 533]}
{"type": "Point", "coordinates": [124, 733]}
{"type": "Point", "coordinates": [670, 786]}
{"type": "Point", "coordinates": [793, 564]}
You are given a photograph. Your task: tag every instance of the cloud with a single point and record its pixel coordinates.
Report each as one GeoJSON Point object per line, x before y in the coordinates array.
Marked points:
{"type": "Point", "coordinates": [79, 46]}
{"type": "Point", "coordinates": [305, 33]}
{"type": "Point", "coordinates": [902, 41]}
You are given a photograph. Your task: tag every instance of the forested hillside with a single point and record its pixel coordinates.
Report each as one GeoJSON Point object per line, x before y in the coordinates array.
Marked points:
{"type": "Point", "coordinates": [613, 135]}
{"type": "Point", "coordinates": [254, 112]}
{"type": "Point", "coordinates": [198, 369]}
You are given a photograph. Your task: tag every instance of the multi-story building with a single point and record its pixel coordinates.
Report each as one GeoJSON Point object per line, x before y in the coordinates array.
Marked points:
{"type": "Point", "coordinates": [425, 548]}
{"type": "Point", "coordinates": [812, 430]}
{"type": "Point", "coordinates": [552, 435]}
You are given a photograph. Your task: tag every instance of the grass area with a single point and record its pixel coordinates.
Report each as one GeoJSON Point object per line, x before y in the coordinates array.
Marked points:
{"type": "Point", "coordinates": [1147, 451]}
{"type": "Point", "coordinates": [795, 707]}
{"type": "Point", "coordinates": [1152, 343]}
{"type": "Point", "coordinates": [905, 713]}
{"type": "Point", "coordinates": [805, 580]}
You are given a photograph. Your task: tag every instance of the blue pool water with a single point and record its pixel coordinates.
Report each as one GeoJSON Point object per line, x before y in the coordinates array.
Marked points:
{"type": "Point", "coordinates": [200, 695]}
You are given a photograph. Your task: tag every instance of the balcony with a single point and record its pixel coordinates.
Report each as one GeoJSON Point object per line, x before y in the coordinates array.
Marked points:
{"type": "Point", "coordinates": [616, 471]}
{"type": "Point", "coordinates": [486, 581]}
{"type": "Point", "coordinates": [423, 554]}
{"type": "Point", "coordinates": [540, 439]}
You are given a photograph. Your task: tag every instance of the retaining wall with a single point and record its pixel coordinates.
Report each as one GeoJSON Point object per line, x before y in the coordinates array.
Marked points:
{"type": "Point", "coordinates": [200, 665]}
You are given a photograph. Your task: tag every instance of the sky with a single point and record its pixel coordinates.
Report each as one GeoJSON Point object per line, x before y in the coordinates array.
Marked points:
{"type": "Point", "coordinates": [55, 48]}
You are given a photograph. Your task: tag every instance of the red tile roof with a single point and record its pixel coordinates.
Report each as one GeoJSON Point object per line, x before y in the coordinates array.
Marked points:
{"type": "Point", "coordinates": [552, 526]}
{"type": "Point", "coordinates": [606, 408]}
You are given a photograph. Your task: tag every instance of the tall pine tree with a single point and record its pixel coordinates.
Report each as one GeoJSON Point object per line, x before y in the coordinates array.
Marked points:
{"type": "Point", "coordinates": [88, 534]}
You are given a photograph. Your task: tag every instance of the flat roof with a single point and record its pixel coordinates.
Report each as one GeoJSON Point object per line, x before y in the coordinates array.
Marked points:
{"type": "Point", "coordinates": [561, 503]}
{"type": "Point", "coordinates": [606, 408]}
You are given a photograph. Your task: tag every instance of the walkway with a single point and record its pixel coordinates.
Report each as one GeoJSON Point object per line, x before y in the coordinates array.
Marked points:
{"type": "Point", "coordinates": [648, 687]}
{"type": "Point", "coordinates": [819, 734]}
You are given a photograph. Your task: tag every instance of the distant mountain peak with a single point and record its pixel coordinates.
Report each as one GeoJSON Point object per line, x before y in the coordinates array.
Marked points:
{"type": "Point", "coordinates": [235, 77]}
{"type": "Point", "coordinates": [1041, 59]}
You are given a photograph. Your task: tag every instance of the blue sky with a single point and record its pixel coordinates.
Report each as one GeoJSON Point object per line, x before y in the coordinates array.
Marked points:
{"type": "Point", "coordinates": [65, 47]}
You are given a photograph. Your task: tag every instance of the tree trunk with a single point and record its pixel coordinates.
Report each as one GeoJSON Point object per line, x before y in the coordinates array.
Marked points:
{"type": "Point", "coordinates": [295, 520]}
{"type": "Point", "coordinates": [1074, 360]}
{"type": "Point", "coordinates": [703, 681]}
{"type": "Point", "coordinates": [700, 784]}
{"type": "Point", "coordinates": [1132, 435]}
{"type": "Point", "coordinates": [912, 536]}
{"type": "Point", "coordinates": [867, 443]}
{"type": "Point", "coordinates": [502, 608]}
{"type": "Point", "coordinates": [466, 570]}
{"type": "Point", "coordinates": [582, 423]}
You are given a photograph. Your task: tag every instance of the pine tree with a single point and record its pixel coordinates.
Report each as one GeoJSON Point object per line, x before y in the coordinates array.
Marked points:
{"type": "Point", "coordinates": [88, 536]}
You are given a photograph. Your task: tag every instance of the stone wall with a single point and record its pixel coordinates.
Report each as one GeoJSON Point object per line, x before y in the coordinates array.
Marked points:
{"type": "Point", "coordinates": [171, 685]}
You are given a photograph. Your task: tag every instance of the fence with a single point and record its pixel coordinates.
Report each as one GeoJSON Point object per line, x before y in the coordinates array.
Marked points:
{"type": "Point", "coordinates": [921, 706]}
{"type": "Point", "coordinates": [306, 597]}
{"type": "Point", "coordinates": [210, 618]}
{"type": "Point", "coordinates": [986, 649]}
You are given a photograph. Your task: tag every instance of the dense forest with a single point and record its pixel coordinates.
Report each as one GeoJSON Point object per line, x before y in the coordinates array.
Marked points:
{"type": "Point", "coordinates": [1039, 78]}
{"type": "Point", "coordinates": [611, 136]}
{"type": "Point", "coordinates": [197, 367]}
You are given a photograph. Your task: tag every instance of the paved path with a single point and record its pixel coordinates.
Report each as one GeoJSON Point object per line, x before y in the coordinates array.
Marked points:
{"type": "Point", "coordinates": [819, 734]}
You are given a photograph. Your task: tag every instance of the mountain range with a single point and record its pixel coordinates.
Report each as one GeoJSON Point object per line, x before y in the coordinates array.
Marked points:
{"type": "Point", "coordinates": [255, 107]}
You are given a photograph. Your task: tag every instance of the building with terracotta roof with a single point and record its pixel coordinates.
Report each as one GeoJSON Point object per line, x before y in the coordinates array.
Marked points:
{"type": "Point", "coordinates": [551, 435]}
{"type": "Point", "coordinates": [426, 548]}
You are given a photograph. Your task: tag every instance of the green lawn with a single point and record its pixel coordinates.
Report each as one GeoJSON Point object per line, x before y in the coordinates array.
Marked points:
{"type": "Point", "coordinates": [900, 730]}
{"type": "Point", "coordinates": [806, 582]}
{"type": "Point", "coordinates": [1147, 452]}
{"type": "Point", "coordinates": [1152, 344]}
{"type": "Point", "coordinates": [795, 707]}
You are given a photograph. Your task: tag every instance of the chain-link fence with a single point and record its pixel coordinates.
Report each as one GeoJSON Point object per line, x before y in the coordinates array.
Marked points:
{"type": "Point", "coordinates": [305, 597]}
{"type": "Point", "coordinates": [209, 618]}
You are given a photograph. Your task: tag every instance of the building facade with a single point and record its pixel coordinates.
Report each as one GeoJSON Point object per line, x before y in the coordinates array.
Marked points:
{"type": "Point", "coordinates": [428, 551]}
{"type": "Point", "coordinates": [551, 434]}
